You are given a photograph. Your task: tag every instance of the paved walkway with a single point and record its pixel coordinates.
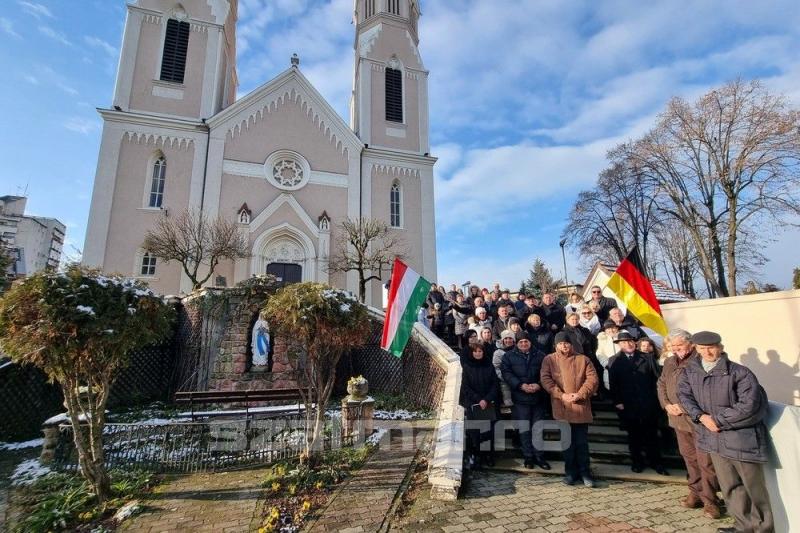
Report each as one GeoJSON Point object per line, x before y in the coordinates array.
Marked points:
{"type": "Point", "coordinates": [506, 501]}
{"type": "Point", "coordinates": [364, 502]}
{"type": "Point", "coordinates": [219, 502]}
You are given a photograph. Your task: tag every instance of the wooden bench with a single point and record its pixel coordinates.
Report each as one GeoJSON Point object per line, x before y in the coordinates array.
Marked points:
{"type": "Point", "coordinates": [195, 398]}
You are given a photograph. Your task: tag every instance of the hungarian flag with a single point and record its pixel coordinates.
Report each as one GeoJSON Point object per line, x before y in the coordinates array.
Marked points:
{"type": "Point", "coordinates": [631, 285]}
{"type": "Point", "coordinates": [407, 293]}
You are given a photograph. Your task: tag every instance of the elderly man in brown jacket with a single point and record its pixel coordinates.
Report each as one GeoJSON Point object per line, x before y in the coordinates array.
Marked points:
{"type": "Point", "coordinates": [703, 484]}
{"type": "Point", "coordinates": [571, 380]}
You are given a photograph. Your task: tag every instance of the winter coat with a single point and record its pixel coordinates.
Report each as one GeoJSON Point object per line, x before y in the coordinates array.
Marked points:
{"type": "Point", "coordinates": [478, 381]}
{"type": "Point", "coordinates": [497, 362]}
{"type": "Point", "coordinates": [583, 342]}
{"type": "Point", "coordinates": [568, 374]}
{"type": "Point", "coordinates": [555, 315]}
{"type": "Point", "coordinates": [460, 315]}
{"type": "Point", "coordinates": [731, 394]}
{"type": "Point", "coordinates": [541, 337]}
{"type": "Point", "coordinates": [631, 326]}
{"type": "Point", "coordinates": [632, 381]}
{"type": "Point", "coordinates": [668, 390]}
{"type": "Point", "coordinates": [435, 297]}
{"type": "Point", "coordinates": [573, 308]}
{"type": "Point", "coordinates": [518, 368]}
{"type": "Point", "coordinates": [436, 318]}
{"type": "Point", "coordinates": [606, 305]}
{"type": "Point", "coordinates": [528, 311]}
{"type": "Point", "coordinates": [499, 326]}
{"type": "Point", "coordinates": [606, 349]}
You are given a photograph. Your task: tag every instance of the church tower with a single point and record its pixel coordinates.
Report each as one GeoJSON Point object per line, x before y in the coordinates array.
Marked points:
{"type": "Point", "coordinates": [389, 113]}
{"type": "Point", "coordinates": [389, 106]}
{"type": "Point", "coordinates": [177, 68]}
{"type": "Point", "coordinates": [178, 58]}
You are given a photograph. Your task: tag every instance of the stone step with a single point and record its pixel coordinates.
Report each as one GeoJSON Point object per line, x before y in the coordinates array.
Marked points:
{"type": "Point", "coordinates": [599, 470]}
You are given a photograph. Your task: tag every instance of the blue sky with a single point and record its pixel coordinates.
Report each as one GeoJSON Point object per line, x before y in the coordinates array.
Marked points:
{"type": "Point", "coordinates": [525, 99]}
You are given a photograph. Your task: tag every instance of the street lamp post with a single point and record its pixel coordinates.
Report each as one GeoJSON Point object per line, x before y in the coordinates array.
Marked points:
{"type": "Point", "coordinates": [564, 258]}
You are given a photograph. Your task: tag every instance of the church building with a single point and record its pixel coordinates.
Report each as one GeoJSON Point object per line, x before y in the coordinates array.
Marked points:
{"type": "Point", "coordinates": [280, 162]}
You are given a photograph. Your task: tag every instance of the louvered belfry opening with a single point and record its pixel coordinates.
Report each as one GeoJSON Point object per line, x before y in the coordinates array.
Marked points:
{"type": "Point", "coordinates": [394, 95]}
{"type": "Point", "coordinates": [176, 41]}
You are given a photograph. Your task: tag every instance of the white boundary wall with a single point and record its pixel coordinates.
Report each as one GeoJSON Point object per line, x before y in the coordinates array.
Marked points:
{"type": "Point", "coordinates": [761, 331]}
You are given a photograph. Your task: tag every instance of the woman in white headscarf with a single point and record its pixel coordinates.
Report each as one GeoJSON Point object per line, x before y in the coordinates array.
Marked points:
{"type": "Point", "coordinates": [589, 320]}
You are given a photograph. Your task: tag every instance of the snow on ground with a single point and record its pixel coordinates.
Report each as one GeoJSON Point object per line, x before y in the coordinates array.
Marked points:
{"type": "Point", "coordinates": [376, 437]}
{"type": "Point", "coordinates": [21, 445]}
{"type": "Point", "coordinates": [29, 471]}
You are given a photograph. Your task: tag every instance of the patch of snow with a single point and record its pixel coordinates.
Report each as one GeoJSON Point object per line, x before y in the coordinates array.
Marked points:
{"type": "Point", "coordinates": [400, 414]}
{"type": "Point", "coordinates": [129, 509]}
{"type": "Point", "coordinates": [29, 471]}
{"type": "Point", "coordinates": [108, 331]}
{"type": "Point", "coordinates": [86, 309]}
{"type": "Point", "coordinates": [376, 437]}
{"type": "Point", "coordinates": [345, 308]}
{"type": "Point", "coordinates": [21, 445]}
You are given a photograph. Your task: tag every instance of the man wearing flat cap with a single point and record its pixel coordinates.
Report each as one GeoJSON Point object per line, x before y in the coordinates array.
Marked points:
{"type": "Point", "coordinates": [632, 377]}
{"type": "Point", "coordinates": [571, 379]}
{"type": "Point", "coordinates": [521, 369]}
{"type": "Point", "coordinates": [728, 407]}
{"type": "Point", "coordinates": [701, 478]}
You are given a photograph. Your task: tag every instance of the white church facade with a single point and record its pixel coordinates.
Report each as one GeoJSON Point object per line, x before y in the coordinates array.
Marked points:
{"type": "Point", "coordinates": [279, 161]}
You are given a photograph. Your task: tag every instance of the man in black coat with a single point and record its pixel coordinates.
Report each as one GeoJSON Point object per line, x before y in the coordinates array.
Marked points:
{"type": "Point", "coordinates": [521, 370]}
{"type": "Point", "coordinates": [606, 304]}
{"type": "Point", "coordinates": [632, 378]}
{"type": "Point", "coordinates": [531, 307]}
{"type": "Point", "coordinates": [555, 313]}
{"type": "Point", "coordinates": [728, 407]}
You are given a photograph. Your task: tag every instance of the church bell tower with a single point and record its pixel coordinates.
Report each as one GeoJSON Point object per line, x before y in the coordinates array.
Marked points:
{"type": "Point", "coordinates": [389, 104]}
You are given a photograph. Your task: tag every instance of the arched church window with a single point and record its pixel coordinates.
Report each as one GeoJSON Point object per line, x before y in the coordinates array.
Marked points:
{"type": "Point", "coordinates": [157, 182]}
{"type": "Point", "coordinates": [394, 95]}
{"type": "Point", "coordinates": [148, 267]}
{"type": "Point", "coordinates": [176, 44]}
{"type": "Point", "coordinates": [395, 207]}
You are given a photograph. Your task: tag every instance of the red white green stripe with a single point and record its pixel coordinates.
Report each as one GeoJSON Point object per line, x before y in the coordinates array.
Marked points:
{"type": "Point", "coordinates": [407, 293]}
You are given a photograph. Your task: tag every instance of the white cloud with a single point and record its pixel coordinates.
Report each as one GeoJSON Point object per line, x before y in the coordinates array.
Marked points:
{"type": "Point", "coordinates": [95, 42]}
{"type": "Point", "coordinates": [8, 27]}
{"type": "Point", "coordinates": [516, 175]}
{"type": "Point", "coordinates": [55, 35]}
{"type": "Point", "coordinates": [82, 125]}
{"type": "Point", "coordinates": [35, 9]}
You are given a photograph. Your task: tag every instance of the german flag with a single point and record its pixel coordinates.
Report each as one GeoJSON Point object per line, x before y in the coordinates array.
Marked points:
{"type": "Point", "coordinates": [631, 285]}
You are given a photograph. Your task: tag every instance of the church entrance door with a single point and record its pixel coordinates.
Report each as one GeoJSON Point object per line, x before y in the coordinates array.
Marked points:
{"type": "Point", "coordinates": [286, 272]}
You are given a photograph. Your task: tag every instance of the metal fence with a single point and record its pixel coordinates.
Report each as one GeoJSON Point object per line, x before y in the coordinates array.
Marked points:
{"type": "Point", "coordinates": [201, 446]}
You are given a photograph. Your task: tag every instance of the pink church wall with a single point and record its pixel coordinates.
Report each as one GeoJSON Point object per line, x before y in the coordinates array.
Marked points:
{"type": "Point", "coordinates": [287, 128]}
{"type": "Point", "coordinates": [130, 219]}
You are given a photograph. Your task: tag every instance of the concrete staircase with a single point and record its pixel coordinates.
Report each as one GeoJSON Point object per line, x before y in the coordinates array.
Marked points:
{"type": "Point", "coordinates": [608, 444]}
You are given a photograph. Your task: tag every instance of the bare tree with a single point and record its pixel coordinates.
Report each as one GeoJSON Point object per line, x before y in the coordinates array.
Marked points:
{"type": "Point", "coordinates": [721, 166]}
{"type": "Point", "coordinates": [368, 247]}
{"type": "Point", "coordinates": [195, 241]}
{"type": "Point", "coordinates": [619, 213]}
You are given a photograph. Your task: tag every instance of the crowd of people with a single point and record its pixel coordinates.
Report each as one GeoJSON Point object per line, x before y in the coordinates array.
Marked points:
{"type": "Point", "coordinates": [536, 359]}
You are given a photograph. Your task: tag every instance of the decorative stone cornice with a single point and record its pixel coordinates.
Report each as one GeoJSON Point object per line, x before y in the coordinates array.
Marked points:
{"type": "Point", "coordinates": [394, 170]}
{"type": "Point", "coordinates": [158, 139]}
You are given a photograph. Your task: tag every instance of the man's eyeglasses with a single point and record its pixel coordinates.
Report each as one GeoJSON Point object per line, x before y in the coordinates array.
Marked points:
{"type": "Point", "coordinates": [595, 292]}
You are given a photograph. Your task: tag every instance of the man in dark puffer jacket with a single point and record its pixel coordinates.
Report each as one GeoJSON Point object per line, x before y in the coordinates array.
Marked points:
{"type": "Point", "coordinates": [728, 406]}
{"type": "Point", "coordinates": [521, 369]}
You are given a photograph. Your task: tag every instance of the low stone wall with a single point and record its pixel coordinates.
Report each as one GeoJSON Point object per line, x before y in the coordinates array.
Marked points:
{"type": "Point", "coordinates": [445, 467]}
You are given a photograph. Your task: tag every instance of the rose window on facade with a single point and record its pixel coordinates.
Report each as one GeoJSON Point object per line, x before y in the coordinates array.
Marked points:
{"type": "Point", "coordinates": [287, 173]}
